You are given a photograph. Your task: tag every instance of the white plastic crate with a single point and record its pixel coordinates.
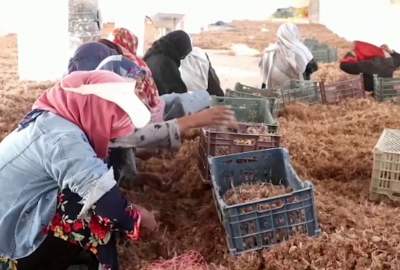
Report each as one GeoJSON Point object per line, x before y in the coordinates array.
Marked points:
{"type": "Point", "coordinates": [385, 179]}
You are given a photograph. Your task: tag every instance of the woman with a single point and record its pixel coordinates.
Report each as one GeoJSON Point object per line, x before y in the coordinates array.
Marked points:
{"type": "Point", "coordinates": [368, 59]}
{"type": "Point", "coordinates": [127, 43]}
{"type": "Point", "coordinates": [61, 198]}
{"type": "Point", "coordinates": [171, 105]}
{"type": "Point", "coordinates": [164, 58]}
{"type": "Point", "coordinates": [287, 59]}
{"type": "Point", "coordinates": [89, 55]}
{"type": "Point", "coordinates": [198, 73]}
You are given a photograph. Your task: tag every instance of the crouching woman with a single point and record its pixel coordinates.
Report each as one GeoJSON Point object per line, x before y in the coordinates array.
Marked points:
{"type": "Point", "coordinates": [59, 199]}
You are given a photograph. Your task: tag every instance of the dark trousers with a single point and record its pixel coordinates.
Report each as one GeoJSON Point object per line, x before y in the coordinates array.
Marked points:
{"type": "Point", "coordinates": [55, 253]}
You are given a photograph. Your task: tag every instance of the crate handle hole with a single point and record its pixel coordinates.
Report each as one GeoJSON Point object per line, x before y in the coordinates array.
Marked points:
{"type": "Point", "coordinates": [245, 160]}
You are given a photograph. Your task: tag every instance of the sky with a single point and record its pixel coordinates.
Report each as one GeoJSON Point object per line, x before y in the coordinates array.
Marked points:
{"type": "Point", "coordinates": [199, 13]}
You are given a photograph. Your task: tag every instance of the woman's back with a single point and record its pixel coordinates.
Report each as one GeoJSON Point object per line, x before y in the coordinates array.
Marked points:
{"type": "Point", "coordinates": [276, 70]}
{"type": "Point", "coordinates": [30, 173]}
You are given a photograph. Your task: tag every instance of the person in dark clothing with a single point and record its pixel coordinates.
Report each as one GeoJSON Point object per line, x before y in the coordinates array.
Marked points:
{"type": "Point", "coordinates": [311, 67]}
{"type": "Point", "coordinates": [368, 59]}
{"type": "Point", "coordinates": [164, 58]}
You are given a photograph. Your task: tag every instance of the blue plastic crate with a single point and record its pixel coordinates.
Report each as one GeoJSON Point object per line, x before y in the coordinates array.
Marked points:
{"type": "Point", "coordinates": [266, 222]}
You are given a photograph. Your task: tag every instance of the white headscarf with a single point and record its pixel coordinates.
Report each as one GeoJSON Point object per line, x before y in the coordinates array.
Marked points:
{"type": "Point", "coordinates": [194, 70]}
{"type": "Point", "coordinates": [291, 47]}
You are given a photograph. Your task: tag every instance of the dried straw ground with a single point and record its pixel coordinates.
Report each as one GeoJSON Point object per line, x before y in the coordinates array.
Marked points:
{"type": "Point", "coordinates": [329, 145]}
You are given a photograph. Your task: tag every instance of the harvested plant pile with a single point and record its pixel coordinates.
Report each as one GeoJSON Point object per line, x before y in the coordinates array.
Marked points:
{"type": "Point", "coordinates": [249, 192]}
{"type": "Point", "coordinates": [188, 261]}
{"type": "Point", "coordinates": [330, 73]}
{"type": "Point", "coordinates": [330, 145]}
{"type": "Point", "coordinates": [251, 34]}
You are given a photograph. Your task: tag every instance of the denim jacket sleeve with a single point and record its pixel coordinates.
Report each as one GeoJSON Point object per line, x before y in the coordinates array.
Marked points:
{"type": "Point", "coordinates": [73, 163]}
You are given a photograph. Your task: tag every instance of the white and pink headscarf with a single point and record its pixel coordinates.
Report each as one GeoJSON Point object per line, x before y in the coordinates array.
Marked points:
{"type": "Point", "coordinates": [292, 48]}
{"type": "Point", "coordinates": [101, 103]}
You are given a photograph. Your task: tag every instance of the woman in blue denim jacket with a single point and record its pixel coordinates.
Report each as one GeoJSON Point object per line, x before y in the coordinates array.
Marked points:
{"type": "Point", "coordinates": [59, 197]}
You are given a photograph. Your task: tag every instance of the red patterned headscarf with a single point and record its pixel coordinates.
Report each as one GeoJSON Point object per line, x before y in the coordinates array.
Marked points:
{"type": "Point", "coordinates": [147, 89]}
{"type": "Point", "coordinates": [124, 38]}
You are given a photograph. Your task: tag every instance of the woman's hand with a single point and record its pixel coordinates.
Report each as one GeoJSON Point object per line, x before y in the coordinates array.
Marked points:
{"type": "Point", "coordinates": [215, 116]}
{"type": "Point", "coordinates": [148, 220]}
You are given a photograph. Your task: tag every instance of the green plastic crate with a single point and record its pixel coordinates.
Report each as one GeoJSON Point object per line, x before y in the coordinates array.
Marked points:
{"type": "Point", "coordinates": [386, 88]}
{"type": "Point", "coordinates": [301, 91]}
{"type": "Point", "coordinates": [311, 43]}
{"type": "Point", "coordinates": [324, 55]}
{"type": "Point", "coordinates": [274, 102]}
{"type": "Point", "coordinates": [248, 110]}
{"type": "Point", "coordinates": [321, 52]}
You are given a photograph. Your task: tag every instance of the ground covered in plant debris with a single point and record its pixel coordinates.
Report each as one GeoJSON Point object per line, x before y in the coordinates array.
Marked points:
{"type": "Point", "coordinates": [329, 145]}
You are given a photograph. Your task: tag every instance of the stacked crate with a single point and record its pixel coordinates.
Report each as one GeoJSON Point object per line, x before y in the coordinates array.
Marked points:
{"type": "Point", "coordinates": [251, 154]}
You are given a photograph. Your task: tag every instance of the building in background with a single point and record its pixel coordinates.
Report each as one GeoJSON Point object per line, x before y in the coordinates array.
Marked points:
{"type": "Point", "coordinates": [161, 24]}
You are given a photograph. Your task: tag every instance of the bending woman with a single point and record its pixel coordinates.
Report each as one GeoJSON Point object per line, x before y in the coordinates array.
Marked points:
{"type": "Point", "coordinates": [368, 59]}
{"type": "Point", "coordinates": [168, 106]}
{"type": "Point", "coordinates": [61, 197]}
{"type": "Point", "coordinates": [287, 59]}
{"type": "Point", "coordinates": [164, 59]}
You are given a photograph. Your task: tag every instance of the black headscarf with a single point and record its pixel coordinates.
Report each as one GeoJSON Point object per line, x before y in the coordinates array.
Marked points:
{"type": "Point", "coordinates": [176, 45]}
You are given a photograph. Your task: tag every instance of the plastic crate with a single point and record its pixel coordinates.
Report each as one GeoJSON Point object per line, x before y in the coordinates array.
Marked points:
{"type": "Point", "coordinates": [266, 222]}
{"type": "Point", "coordinates": [273, 100]}
{"type": "Point", "coordinates": [217, 142]}
{"type": "Point", "coordinates": [269, 93]}
{"type": "Point", "coordinates": [249, 110]}
{"type": "Point", "coordinates": [324, 55]}
{"type": "Point", "coordinates": [311, 43]}
{"type": "Point", "coordinates": [301, 91]}
{"type": "Point", "coordinates": [385, 180]}
{"type": "Point", "coordinates": [386, 88]}
{"type": "Point", "coordinates": [336, 92]}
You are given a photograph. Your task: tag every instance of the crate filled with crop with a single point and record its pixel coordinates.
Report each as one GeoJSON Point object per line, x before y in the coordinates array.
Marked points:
{"type": "Point", "coordinates": [247, 137]}
{"type": "Point", "coordinates": [260, 199]}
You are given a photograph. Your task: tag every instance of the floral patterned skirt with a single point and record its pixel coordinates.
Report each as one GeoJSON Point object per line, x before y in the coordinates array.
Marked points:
{"type": "Point", "coordinates": [93, 232]}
